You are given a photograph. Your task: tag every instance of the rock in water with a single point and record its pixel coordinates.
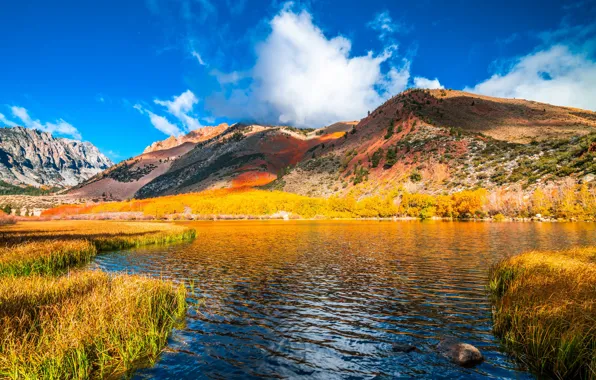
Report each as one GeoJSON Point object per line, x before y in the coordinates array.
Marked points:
{"type": "Point", "coordinates": [462, 354]}
{"type": "Point", "coordinates": [400, 347]}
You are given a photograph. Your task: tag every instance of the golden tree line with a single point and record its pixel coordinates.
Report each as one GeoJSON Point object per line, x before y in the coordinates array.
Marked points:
{"type": "Point", "coordinates": [564, 201]}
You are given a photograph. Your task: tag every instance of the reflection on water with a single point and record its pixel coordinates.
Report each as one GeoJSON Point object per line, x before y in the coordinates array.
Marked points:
{"type": "Point", "coordinates": [328, 299]}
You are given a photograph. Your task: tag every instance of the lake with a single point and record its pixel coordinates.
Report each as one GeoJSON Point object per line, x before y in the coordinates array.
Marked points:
{"type": "Point", "coordinates": [329, 299]}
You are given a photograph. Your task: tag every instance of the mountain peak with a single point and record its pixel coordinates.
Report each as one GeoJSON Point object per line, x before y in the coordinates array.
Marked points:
{"type": "Point", "coordinates": [33, 157]}
{"type": "Point", "coordinates": [193, 137]}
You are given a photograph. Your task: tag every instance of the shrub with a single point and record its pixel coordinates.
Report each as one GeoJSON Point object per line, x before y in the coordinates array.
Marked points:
{"type": "Point", "coordinates": [499, 217]}
{"type": "Point", "coordinates": [7, 219]}
{"type": "Point", "coordinates": [415, 177]}
{"type": "Point", "coordinates": [376, 157]}
{"type": "Point", "coordinates": [390, 158]}
{"type": "Point", "coordinates": [390, 131]}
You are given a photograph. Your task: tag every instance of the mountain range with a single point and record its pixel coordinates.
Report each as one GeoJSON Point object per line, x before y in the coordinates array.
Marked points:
{"type": "Point", "coordinates": [435, 141]}
{"type": "Point", "coordinates": [34, 158]}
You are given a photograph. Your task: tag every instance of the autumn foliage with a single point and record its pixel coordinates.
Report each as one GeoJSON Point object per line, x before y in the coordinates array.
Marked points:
{"type": "Point", "coordinates": [571, 202]}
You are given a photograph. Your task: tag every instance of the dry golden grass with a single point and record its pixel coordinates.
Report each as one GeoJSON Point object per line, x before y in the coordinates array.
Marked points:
{"type": "Point", "coordinates": [545, 310]}
{"type": "Point", "coordinates": [53, 247]}
{"type": "Point", "coordinates": [85, 325]}
{"type": "Point", "coordinates": [48, 257]}
{"type": "Point", "coordinates": [79, 229]}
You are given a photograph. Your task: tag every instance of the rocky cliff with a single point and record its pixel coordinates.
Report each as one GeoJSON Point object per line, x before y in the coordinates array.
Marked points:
{"type": "Point", "coordinates": [36, 158]}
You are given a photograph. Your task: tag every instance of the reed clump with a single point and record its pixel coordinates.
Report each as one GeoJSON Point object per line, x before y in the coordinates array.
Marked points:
{"type": "Point", "coordinates": [50, 257]}
{"type": "Point", "coordinates": [51, 248]}
{"type": "Point", "coordinates": [545, 310]}
{"type": "Point", "coordinates": [88, 324]}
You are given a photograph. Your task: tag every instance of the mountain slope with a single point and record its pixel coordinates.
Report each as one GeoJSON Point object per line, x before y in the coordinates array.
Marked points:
{"type": "Point", "coordinates": [123, 180]}
{"type": "Point", "coordinates": [193, 137]}
{"type": "Point", "coordinates": [512, 120]}
{"type": "Point", "coordinates": [417, 140]}
{"type": "Point", "coordinates": [35, 158]}
{"type": "Point", "coordinates": [426, 141]}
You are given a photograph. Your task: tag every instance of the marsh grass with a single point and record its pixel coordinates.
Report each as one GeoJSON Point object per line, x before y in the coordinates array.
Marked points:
{"type": "Point", "coordinates": [53, 247]}
{"type": "Point", "coordinates": [85, 325]}
{"type": "Point", "coordinates": [51, 257]}
{"type": "Point", "coordinates": [545, 310]}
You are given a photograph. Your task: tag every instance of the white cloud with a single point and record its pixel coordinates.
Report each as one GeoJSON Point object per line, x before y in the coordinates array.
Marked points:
{"type": "Point", "coordinates": [60, 126]}
{"type": "Point", "coordinates": [209, 119]}
{"type": "Point", "coordinates": [180, 107]}
{"type": "Point", "coordinates": [64, 128]}
{"type": "Point", "coordinates": [421, 82]}
{"type": "Point", "coordinates": [159, 122]}
{"type": "Point", "coordinates": [396, 79]}
{"type": "Point", "coordinates": [229, 78]}
{"type": "Point", "coordinates": [22, 114]}
{"type": "Point", "coordinates": [5, 121]}
{"type": "Point", "coordinates": [198, 57]}
{"type": "Point", "coordinates": [303, 78]}
{"type": "Point", "coordinates": [555, 75]}
{"type": "Point", "coordinates": [384, 24]}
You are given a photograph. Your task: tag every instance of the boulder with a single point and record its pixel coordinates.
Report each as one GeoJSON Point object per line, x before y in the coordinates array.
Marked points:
{"type": "Point", "coordinates": [462, 354]}
{"type": "Point", "coordinates": [402, 347]}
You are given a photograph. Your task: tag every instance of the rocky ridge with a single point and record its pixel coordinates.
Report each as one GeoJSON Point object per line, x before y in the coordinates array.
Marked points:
{"type": "Point", "coordinates": [36, 158]}
{"type": "Point", "coordinates": [425, 141]}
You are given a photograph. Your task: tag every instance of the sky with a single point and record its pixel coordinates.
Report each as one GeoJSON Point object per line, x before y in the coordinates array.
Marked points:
{"type": "Point", "coordinates": [123, 74]}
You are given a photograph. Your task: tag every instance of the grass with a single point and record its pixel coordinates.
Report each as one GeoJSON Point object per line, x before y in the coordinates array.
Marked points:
{"type": "Point", "coordinates": [545, 310]}
{"type": "Point", "coordinates": [53, 247]}
{"type": "Point", "coordinates": [51, 257]}
{"type": "Point", "coordinates": [85, 325]}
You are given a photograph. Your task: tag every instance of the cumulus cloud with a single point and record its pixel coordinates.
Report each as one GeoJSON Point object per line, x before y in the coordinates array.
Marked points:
{"type": "Point", "coordinates": [421, 82]}
{"type": "Point", "coordinates": [304, 78]}
{"type": "Point", "coordinates": [59, 127]}
{"type": "Point", "coordinates": [159, 122]}
{"type": "Point", "coordinates": [555, 75]}
{"type": "Point", "coordinates": [180, 107]}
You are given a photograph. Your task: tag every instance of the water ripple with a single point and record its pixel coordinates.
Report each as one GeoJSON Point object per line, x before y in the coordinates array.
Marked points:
{"type": "Point", "coordinates": [327, 300]}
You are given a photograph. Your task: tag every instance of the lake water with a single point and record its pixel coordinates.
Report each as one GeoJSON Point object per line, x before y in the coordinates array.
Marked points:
{"type": "Point", "coordinates": [328, 299]}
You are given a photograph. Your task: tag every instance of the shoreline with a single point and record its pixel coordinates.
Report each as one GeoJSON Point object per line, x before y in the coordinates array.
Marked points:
{"type": "Point", "coordinates": [216, 218]}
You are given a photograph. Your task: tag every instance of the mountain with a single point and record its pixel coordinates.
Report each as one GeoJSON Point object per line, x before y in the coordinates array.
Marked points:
{"type": "Point", "coordinates": [193, 137]}
{"type": "Point", "coordinates": [122, 181]}
{"type": "Point", "coordinates": [30, 157]}
{"type": "Point", "coordinates": [434, 141]}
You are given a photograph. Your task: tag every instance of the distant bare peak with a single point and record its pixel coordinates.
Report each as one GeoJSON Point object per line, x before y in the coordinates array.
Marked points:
{"type": "Point", "coordinates": [33, 157]}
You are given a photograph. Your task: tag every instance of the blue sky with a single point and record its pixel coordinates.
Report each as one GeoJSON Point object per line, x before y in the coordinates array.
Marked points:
{"type": "Point", "coordinates": [123, 74]}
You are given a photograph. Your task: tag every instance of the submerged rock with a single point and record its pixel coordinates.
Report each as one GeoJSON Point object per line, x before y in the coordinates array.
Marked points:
{"type": "Point", "coordinates": [401, 347]}
{"type": "Point", "coordinates": [462, 354]}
